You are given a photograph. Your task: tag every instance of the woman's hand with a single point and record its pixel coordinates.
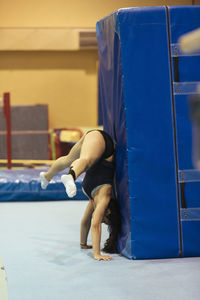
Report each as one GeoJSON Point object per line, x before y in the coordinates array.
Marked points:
{"type": "Point", "coordinates": [86, 246]}
{"type": "Point", "coordinates": [102, 257]}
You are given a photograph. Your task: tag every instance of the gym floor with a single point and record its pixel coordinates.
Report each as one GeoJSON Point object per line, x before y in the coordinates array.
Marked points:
{"type": "Point", "coordinates": [39, 247]}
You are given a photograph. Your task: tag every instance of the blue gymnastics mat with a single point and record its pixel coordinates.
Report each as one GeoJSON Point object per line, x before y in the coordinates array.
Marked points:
{"type": "Point", "coordinates": [144, 83]}
{"type": "Point", "coordinates": [24, 185]}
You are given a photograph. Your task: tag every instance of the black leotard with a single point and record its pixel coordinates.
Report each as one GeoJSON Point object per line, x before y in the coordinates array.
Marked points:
{"type": "Point", "coordinates": [102, 172]}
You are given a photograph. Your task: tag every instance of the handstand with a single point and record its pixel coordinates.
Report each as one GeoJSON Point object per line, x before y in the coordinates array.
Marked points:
{"type": "Point", "coordinates": [94, 153]}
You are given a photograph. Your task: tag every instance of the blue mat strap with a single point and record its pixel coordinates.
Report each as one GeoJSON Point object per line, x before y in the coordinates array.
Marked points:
{"type": "Point", "coordinates": [190, 214]}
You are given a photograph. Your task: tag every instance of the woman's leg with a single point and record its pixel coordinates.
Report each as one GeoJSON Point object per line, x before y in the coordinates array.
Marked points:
{"type": "Point", "coordinates": [61, 163]}
{"type": "Point", "coordinates": [92, 149]}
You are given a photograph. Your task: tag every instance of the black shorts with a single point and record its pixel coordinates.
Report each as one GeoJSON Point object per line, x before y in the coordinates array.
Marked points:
{"type": "Point", "coordinates": [110, 147]}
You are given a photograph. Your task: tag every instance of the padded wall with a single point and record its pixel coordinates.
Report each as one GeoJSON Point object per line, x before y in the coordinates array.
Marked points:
{"type": "Point", "coordinates": [136, 98]}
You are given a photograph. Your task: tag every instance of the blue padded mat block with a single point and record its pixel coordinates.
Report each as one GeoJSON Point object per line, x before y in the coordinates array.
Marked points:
{"type": "Point", "coordinates": [148, 117]}
{"type": "Point", "coordinates": [24, 185]}
{"type": "Point", "coordinates": [150, 142]}
{"type": "Point", "coordinates": [137, 112]}
{"type": "Point", "coordinates": [113, 114]}
{"type": "Point", "coordinates": [183, 20]}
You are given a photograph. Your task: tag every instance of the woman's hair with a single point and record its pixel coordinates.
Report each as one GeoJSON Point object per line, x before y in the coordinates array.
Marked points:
{"type": "Point", "coordinates": [114, 227]}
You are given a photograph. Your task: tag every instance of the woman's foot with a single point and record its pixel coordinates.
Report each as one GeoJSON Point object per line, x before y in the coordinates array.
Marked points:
{"type": "Point", "coordinates": [44, 182]}
{"type": "Point", "coordinates": [69, 184]}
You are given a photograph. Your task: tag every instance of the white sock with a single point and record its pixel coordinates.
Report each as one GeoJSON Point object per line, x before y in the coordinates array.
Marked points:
{"type": "Point", "coordinates": [44, 182]}
{"type": "Point", "coordinates": [69, 184]}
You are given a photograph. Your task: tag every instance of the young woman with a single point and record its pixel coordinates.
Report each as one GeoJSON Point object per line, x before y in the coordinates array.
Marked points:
{"type": "Point", "coordinates": [95, 154]}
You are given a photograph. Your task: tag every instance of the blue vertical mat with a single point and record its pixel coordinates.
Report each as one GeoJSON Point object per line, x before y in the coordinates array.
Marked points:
{"type": "Point", "coordinates": [186, 77]}
{"type": "Point", "coordinates": [136, 97]}
{"type": "Point", "coordinates": [113, 112]}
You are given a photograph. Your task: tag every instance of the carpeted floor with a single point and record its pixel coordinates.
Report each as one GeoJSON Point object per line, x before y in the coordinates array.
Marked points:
{"type": "Point", "coordinates": [39, 246]}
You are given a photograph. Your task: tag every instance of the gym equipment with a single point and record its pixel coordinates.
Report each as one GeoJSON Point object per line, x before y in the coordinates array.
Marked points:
{"type": "Point", "coordinates": [24, 185]}
{"type": "Point", "coordinates": [144, 84]}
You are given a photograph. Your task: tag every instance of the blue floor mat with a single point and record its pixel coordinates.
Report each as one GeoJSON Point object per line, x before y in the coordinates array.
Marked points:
{"type": "Point", "coordinates": [24, 185]}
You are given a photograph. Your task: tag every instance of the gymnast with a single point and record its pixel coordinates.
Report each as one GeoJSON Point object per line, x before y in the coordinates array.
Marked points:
{"type": "Point", "coordinates": [95, 154]}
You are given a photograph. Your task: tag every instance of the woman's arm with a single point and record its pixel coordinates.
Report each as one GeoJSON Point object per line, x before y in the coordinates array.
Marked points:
{"type": "Point", "coordinates": [85, 226]}
{"type": "Point", "coordinates": [96, 229]}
